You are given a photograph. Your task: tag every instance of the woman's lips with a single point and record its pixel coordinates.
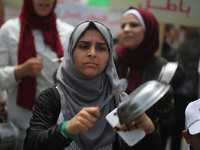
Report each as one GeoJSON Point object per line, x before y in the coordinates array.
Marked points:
{"type": "Point", "coordinates": [127, 37]}
{"type": "Point", "coordinates": [44, 6]}
{"type": "Point", "coordinates": [91, 64]}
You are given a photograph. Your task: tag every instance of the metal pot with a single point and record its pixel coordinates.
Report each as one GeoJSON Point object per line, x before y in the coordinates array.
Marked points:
{"type": "Point", "coordinates": [9, 136]}
{"type": "Point", "coordinates": [146, 95]}
{"type": "Point", "coordinates": [141, 99]}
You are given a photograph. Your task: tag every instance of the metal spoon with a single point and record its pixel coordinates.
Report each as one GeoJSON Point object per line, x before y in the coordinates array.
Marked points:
{"type": "Point", "coordinates": [118, 88]}
{"type": "Point", "coordinates": [57, 59]}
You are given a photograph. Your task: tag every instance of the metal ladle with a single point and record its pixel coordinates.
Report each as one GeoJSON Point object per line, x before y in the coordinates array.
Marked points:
{"type": "Point", "coordinates": [119, 87]}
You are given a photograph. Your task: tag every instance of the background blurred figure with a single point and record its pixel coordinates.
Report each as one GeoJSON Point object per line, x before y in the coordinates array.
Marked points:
{"type": "Point", "coordinates": [28, 44]}
{"type": "Point", "coordinates": [3, 94]}
{"type": "Point", "coordinates": [135, 59]}
{"type": "Point", "coordinates": [2, 13]}
{"type": "Point", "coordinates": [169, 50]}
{"type": "Point", "coordinates": [188, 58]}
{"type": "Point", "coordinates": [192, 124]}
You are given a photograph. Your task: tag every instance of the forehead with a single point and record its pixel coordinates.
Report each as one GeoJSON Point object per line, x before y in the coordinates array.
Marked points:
{"type": "Point", "coordinates": [130, 18]}
{"type": "Point", "coordinates": [92, 34]}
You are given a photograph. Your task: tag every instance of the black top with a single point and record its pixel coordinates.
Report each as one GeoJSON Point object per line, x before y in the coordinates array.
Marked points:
{"type": "Point", "coordinates": [45, 134]}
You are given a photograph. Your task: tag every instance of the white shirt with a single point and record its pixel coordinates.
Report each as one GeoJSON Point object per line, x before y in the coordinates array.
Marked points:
{"type": "Point", "coordinates": [9, 38]}
{"type": "Point", "coordinates": [3, 96]}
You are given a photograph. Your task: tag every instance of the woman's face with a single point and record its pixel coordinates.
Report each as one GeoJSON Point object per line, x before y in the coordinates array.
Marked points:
{"type": "Point", "coordinates": [91, 53]}
{"type": "Point", "coordinates": [132, 32]}
{"type": "Point", "coordinates": [43, 7]}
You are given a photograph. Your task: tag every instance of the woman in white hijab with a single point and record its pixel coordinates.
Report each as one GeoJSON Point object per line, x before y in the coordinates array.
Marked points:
{"type": "Point", "coordinates": [67, 116]}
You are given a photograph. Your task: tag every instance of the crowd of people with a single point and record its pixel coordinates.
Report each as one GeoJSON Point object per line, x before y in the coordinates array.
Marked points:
{"type": "Point", "coordinates": [56, 103]}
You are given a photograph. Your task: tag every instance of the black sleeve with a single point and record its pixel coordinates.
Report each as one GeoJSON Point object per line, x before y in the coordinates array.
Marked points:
{"type": "Point", "coordinates": [43, 132]}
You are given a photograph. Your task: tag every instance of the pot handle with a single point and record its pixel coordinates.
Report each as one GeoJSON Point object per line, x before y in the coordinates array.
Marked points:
{"type": "Point", "coordinates": [167, 72]}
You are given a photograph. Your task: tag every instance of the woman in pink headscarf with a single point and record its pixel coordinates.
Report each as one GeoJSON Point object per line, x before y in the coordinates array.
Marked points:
{"type": "Point", "coordinates": [28, 44]}
{"type": "Point", "coordinates": [135, 56]}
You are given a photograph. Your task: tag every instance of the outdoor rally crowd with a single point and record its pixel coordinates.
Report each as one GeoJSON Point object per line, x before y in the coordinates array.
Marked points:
{"type": "Point", "coordinates": [54, 78]}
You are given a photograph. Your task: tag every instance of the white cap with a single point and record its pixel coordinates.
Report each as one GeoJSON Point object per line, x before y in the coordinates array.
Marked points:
{"type": "Point", "coordinates": [192, 117]}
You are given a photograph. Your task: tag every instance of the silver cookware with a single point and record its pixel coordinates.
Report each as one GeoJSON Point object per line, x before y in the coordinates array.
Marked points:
{"type": "Point", "coordinates": [140, 100]}
{"type": "Point", "coordinates": [167, 72]}
{"type": "Point", "coordinates": [146, 95]}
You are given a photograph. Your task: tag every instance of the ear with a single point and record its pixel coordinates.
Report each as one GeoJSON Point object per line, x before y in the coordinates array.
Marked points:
{"type": "Point", "coordinates": [186, 136]}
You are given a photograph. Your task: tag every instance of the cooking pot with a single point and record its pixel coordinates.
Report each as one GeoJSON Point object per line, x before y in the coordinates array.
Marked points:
{"type": "Point", "coordinates": [141, 99]}
{"type": "Point", "coordinates": [146, 95]}
{"type": "Point", "coordinates": [9, 135]}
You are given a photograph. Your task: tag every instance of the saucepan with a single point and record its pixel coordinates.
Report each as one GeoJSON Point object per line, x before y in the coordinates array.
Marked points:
{"type": "Point", "coordinates": [146, 95]}
{"type": "Point", "coordinates": [140, 100]}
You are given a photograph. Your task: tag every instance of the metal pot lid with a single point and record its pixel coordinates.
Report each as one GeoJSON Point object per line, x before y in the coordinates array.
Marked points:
{"type": "Point", "coordinates": [167, 72]}
{"type": "Point", "coordinates": [140, 100]}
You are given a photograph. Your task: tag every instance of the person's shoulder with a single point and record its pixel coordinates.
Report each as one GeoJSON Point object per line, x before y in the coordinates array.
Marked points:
{"type": "Point", "coordinates": [49, 95]}
{"type": "Point", "coordinates": [64, 26]}
{"type": "Point", "coordinates": [48, 103]}
{"type": "Point", "coordinates": [11, 24]}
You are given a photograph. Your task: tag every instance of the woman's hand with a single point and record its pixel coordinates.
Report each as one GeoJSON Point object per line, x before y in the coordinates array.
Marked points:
{"type": "Point", "coordinates": [32, 67]}
{"type": "Point", "coordinates": [141, 122]}
{"type": "Point", "coordinates": [84, 120]}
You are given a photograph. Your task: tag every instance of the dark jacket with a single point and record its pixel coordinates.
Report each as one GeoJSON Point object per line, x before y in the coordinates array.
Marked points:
{"type": "Point", "coordinates": [45, 134]}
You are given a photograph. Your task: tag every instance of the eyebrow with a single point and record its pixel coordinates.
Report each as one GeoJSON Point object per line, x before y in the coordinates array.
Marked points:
{"type": "Point", "coordinates": [98, 43]}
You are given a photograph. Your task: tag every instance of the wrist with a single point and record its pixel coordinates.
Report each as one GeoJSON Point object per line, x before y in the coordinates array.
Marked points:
{"type": "Point", "coordinates": [65, 132]}
{"type": "Point", "coordinates": [19, 72]}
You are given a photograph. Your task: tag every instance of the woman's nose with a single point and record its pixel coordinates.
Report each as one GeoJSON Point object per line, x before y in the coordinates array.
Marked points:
{"type": "Point", "coordinates": [92, 52]}
{"type": "Point", "coordinates": [126, 27]}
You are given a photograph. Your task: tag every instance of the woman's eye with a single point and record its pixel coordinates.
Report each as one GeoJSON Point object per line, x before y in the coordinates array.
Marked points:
{"type": "Point", "coordinates": [122, 26]}
{"type": "Point", "coordinates": [130, 25]}
{"type": "Point", "coordinates": [101, 48]}
{"type": "Point", "coordinates": [134, 25]}
{"type": "Point", "coordinates": [83, 46]}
